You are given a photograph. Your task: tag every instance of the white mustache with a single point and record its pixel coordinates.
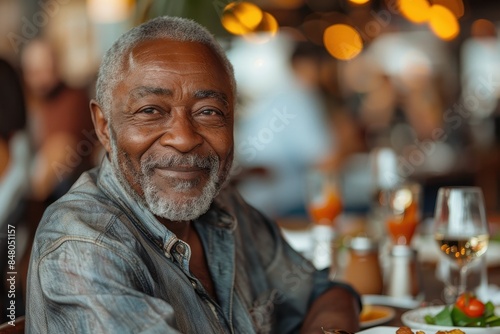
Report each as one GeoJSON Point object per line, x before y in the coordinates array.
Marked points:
{"type": "Point", "coordinates": [150, 163]}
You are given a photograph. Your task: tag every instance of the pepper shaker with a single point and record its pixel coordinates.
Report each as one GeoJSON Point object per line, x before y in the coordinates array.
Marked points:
{"type": "Point", "coordinates": [363, 270]}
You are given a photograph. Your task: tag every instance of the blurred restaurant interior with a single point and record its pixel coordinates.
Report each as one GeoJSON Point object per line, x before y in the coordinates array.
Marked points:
{"type": "Point", "coordinates": [418, 77]}
{"type": "Point", "coordinates": [380, 91]}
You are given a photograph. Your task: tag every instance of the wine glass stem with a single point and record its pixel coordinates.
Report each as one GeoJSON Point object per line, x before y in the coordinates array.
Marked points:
{"type": "Point", "coordinates": [463, 280]}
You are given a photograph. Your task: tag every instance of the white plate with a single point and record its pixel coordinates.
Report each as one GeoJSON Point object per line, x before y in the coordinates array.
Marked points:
{"type": "Point", "coordinates": [380, 330]}
{"type": "Point", "coordinates": [391, 301]}
{"type": "Point", "coordinates": [415, 319]}
{"type": "Point", "coordinates": [381, 315]}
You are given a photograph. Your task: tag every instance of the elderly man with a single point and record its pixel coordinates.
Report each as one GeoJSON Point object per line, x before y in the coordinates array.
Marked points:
{"type": "Point", "coordinates": [154, 240]}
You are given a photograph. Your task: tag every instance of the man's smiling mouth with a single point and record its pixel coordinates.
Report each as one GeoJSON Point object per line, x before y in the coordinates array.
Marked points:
{"type": "Point", "coordinates": [182, 172]}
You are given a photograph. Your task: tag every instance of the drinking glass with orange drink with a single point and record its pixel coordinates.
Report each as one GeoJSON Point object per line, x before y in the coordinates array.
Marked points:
{"type": "Point", "coordinates": [324, 205]}
{"type": "Point", "coordinates": [402, 219]}
{"type": "Point", "coordinates": [403, 212]}
{"type": "Point", "coordinates": [324, 202]}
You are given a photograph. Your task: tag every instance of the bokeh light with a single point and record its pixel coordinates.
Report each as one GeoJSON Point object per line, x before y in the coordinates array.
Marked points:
{"type": "Point", "coordinates": [313, 27]}
{"type": "Point", "coordinates": [455, 6]}
{"type": "Point", "coordinates": [267, 28]}
{"type": "Point", "coordinates": [483, 28]}
{"type": "Point", "coordinates": [240, 18]}
{"type": "Point", "coordinates": [443, 23]}
{"type": "Point", "coordinates": [342, 41]}
{"type": "Point", "coordinates": [359, 2]}
{"type": "Point", "coordinates": [268, 24]}
{"type": "Point", "coordinates": [416, 11]}
{"type": "Point", "coordinates": [109, 11]}
{"type": "Point", "coordinates": [315, 24]}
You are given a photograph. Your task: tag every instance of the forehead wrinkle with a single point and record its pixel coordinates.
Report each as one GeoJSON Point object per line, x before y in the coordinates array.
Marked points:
{"type": "Point", "coordinates": [143, 91]}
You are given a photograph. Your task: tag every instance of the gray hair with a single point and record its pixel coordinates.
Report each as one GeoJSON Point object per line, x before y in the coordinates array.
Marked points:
{"type": "Point", "coordinates": [173, 28]}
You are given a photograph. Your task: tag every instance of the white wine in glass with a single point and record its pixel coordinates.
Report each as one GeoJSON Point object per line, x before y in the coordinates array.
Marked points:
{"type": "Point", "coordinates": [460, 227]}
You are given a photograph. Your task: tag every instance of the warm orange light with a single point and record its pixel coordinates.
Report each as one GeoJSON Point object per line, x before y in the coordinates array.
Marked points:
{"type": "Point", "coordinates": [455, 6]}
{"type": "Point", "coordinates": [109, 11]}
{"type": "Point", "coordinates": [241, 18]}
{"type": "Point", "coordinates": [359, 2]}
{"type": "Point", "coordinates": [267, 28]}
{"type": "Point", "coordinates": [416, 11]}
{"type": "Point", "coordinates": [342, 41]}
{"type": "Point", "coordinates": [483, 28]}
{"type": "Point", "coordinates": [443, 23]}
{"type": "Point", "coordinates": [268, 24]}
{"type": "Point", "coordinates": [314, 25]}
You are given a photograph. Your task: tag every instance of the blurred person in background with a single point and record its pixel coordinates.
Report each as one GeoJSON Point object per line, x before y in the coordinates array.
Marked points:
{"type": "Point", "coordinates": [59, 123]}
{"type": "Point", "coordinates": [61, 134]}
{"type": "Point", "coordinates": [281, 128]}
{"type": "Point", "coordinates": [14, 165]}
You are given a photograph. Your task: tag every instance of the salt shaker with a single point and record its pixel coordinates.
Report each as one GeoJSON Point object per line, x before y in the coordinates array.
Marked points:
{"type": "Point", "coordinates": [322, 246]}
{"type": "Point", "coordinates": [363, 270]}
{"type": "Point", "coordinates": [404, 277]}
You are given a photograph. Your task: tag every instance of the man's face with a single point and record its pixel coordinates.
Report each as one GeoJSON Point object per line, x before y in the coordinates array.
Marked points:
{"type": "Point", "coordinates": [171, 127]}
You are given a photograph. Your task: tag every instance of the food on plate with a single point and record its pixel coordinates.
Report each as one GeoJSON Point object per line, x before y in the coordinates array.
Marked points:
{"type": "Point", "coordinates": [407, 330]}
{"type": "Point", "coordinates": [471, 306]}
{"type": "Point", "coordinates": [370, 313]}
{"type": "Point", "coordinates": [468, 311]}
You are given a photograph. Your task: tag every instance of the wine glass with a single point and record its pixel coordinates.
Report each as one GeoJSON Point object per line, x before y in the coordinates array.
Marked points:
{"type": "Point", "coordinates": [324, 205]}
{"type": "Point", "coordinates": [460, 227]}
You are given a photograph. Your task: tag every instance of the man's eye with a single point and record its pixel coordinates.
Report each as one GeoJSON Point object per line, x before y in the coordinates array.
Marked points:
{"type": "Point", "coordinates": [148, 111]}
{"type": "Point", "coordinates": [211, 112]}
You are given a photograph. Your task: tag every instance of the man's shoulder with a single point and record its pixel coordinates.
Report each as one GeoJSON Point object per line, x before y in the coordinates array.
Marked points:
{"type": "Point", "coordinates": [85, 196]}
{"type": "Point", "coordinates": [231, 201]}
{"type": "Point", "coordinates": [84, 213]}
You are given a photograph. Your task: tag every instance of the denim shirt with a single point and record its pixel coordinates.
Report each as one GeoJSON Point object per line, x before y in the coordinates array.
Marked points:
{"type": "Point", "coordinates": [102, 263]}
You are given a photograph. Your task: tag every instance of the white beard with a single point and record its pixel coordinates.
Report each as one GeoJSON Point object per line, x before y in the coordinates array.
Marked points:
{"type": "Point", "coordinates": [172, 208]}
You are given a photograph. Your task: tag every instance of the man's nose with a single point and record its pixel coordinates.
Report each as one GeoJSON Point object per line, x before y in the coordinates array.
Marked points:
{"type": "Point", "coordinates": [181, 134]}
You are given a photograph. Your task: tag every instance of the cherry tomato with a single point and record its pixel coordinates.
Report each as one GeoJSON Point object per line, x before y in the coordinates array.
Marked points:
{"type": "Point", "coordinates": [470, 305]}
{"type": "Point", "coordinates": [462, 300]}
{"type": "Point", "coordinates": [475, 308]}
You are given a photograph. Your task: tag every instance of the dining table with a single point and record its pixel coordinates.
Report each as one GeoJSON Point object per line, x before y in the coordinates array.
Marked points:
{"type": "Point", "coordinates": [433, 289]}
{"type": "Point", "coordinates": [298, 233]}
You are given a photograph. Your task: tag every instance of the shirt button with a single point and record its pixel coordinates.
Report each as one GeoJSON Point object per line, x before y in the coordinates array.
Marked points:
{"type": "Point", "coordinates": [181, 248]}
{"type": "Point", "coordinates": [193, 283]}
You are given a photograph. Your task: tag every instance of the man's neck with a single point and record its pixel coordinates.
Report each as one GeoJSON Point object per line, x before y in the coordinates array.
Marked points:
{"type": "Point", "coordinates": [180, 228]}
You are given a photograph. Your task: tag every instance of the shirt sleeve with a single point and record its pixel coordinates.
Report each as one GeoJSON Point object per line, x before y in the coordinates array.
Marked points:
{"type": "Point", "coordinates": [87, 287]}
{"type": "Point", "coordinates": [298, 281]}
{"type": "Point", "coordinates": [322, 283]}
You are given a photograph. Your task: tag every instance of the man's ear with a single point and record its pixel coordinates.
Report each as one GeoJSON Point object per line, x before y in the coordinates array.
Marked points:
{"type": "Point", "coordinates": [100, 125]}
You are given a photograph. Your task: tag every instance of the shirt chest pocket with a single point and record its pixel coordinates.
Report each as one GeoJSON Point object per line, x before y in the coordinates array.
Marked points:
{"type": "Point", "coordinates": [262, 311]}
